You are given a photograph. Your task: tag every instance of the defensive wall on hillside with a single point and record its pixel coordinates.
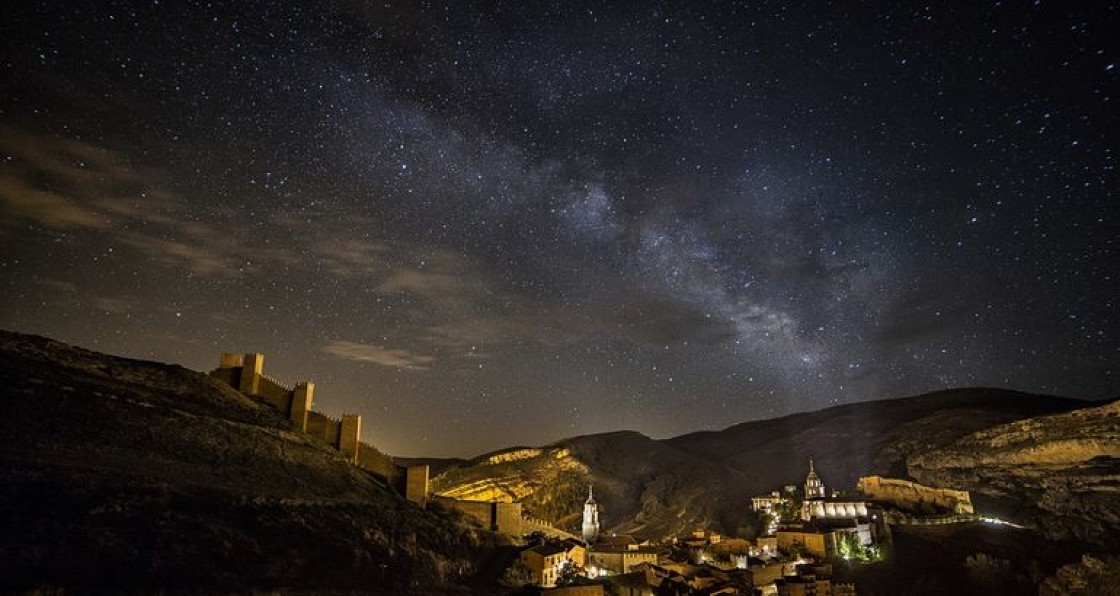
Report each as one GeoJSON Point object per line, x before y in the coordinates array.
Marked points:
{"type": "Point", "coordinates": [245, 372]}
{"type": "Point", "coordinates": [492, 515]}
{"type": "Point", "coordinates": [907, 494]}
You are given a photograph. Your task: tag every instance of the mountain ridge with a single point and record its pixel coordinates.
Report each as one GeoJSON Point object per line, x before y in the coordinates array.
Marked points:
{"type": "Point", "coordinates": [650, 484]}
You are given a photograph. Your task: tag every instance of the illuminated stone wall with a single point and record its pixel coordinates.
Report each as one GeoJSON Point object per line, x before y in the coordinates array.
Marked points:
{"type": "Point", "coordinates": [416, 484]}
{"type": "Point", "coordinates": [324, 428]}
{"type": "Point", "coordinates": [907, 494]}
{"type": "Point", "coordinates": [245, 372]}
{"type": "Point", "coordinates": [505, 518]}
{"type": "Point", "coordinates": [814, 509]}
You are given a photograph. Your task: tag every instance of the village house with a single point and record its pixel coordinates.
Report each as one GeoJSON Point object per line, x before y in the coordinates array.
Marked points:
{"type": "Point", "coordinates": [618, 554]}
{"type": "Point", "coordinates": [546, 562]}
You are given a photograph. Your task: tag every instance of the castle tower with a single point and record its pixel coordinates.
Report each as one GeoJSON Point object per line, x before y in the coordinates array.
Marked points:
{"type": "Point", "coordinates": [814, 488]}
{"type": "Point", "coordinates": [251, 369]}
{"type": "Point", "coordinates": [590, 518]}
{"type": "Point", "coordinates": [350, 436]}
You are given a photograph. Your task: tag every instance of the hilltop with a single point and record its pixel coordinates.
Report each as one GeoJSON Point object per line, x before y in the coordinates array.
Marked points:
{"type": "Point", "coordinates": [120, 474]}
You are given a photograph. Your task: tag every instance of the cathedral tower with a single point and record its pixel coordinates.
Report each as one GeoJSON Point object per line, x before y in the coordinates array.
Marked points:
{"type": "Point", "coordinates": [590, 518]}
{"type": "Point", "coordinates": [814, 488]}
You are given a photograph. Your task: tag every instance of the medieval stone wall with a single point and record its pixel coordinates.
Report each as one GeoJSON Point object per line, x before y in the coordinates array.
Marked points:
{"type": "Point", "coordinates": [376, 462]}
{"type": "Point", "coordinates": [245, 373]}
{"type": "Point", "coordinates": [907, 494]}
{"type": "Point", "coordinates": [276, 394]}
{"type": "Point", "coordinates": [323, 427]}
{"type": "Point", "coordinates": [499, 517]}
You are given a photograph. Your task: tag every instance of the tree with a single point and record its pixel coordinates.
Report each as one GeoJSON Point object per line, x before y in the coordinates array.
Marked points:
{"type": "Point", "coordinates": [536, 538]}
{"type": "Point", "coordinates": [517, 575]}
{"type": "Point", "coordinates": [852, 549]}
{"type": "Point", "coordinates": [569, 573]}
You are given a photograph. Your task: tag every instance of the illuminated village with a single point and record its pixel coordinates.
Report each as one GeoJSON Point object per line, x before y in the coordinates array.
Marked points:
{"type": "Point", "coordinates": [806, 532]}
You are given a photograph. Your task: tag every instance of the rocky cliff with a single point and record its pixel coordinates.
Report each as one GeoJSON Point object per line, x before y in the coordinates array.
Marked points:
{"type": "Point", "coordinates": [1059, 473]}
{"type": "Point", "coordinates": [122, 475]}
{"type": "Point", "coordinates": [704, 479]}
{"type": "Point", "coordinates": [643, 485]}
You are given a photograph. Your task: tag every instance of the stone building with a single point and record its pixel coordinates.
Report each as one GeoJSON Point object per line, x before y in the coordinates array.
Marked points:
{"type": "Point", "coordinates": [618, 554]}
{"type": "Point", "coordinates": [546, 562]}
{"type": "Point", "coordinates": [813, 580]}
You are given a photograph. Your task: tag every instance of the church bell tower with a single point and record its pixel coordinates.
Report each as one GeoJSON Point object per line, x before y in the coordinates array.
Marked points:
{"type": "Point", "coordinates": [814, 488]}
{"type": "Point", "coordinates": [590, 518]}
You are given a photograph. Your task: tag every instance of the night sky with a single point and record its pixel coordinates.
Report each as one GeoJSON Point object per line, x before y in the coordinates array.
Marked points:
{"type": "Point", "coordinates": [488, 224]}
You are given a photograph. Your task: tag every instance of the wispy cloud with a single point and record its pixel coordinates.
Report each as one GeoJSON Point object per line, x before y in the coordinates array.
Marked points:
{"type": "Point", "coordinates": [20, 201]}
{"type": "Point", "coordinates": [115, 305]}
{"type": "Point", "coordinates": [351, 256]}
{"type": "Point", "coordinates": [393, 357]}
{"type": "Point", "coordinates": [72, 186]}
{"type": "Point", "coordinates": [196, 257]}
{"type": "Point", "coordinates": [422, 283]}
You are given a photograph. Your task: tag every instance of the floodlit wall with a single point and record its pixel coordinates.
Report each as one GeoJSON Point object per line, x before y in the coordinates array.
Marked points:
{"type": "Point", "coordinates": [302, 397]}
{"type": "Point", "coordinates": [244, 372]}
{"type": "Point", "coordinates": [505, 518]}
{"type": "Point", "coordinates": [349, 436]}
{"type": "Point", "coordinates": [416, 484]}
{"type": "Point", "coordinates": [813, 509]}
{"type": "Point", "coordinates": [275, 394]}
{"type": "Point", "coordinates": [376, 462]}
{"type": "Point", "coordinates": [821, 544]}
{"type": "Point", "coordinates": [479, 510]}
{"type": "Point", "coordinates": [324, 428]}
{"type": "Point", "coordinates": [905, 493]}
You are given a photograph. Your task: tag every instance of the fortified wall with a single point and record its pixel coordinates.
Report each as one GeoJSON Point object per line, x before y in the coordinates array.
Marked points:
{"type": "Point", "coordinates": [246, 374]}
{"type": "Point", "coordinates": [905, 493]}
{"type": "Point", "coordinates": [493, 515]}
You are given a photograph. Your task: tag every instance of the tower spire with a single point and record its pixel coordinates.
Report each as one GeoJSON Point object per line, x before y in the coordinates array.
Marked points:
{"type": "Point", "coordinates": [814, 488]}
{"type": "Point", "coordinates": [590, 517]}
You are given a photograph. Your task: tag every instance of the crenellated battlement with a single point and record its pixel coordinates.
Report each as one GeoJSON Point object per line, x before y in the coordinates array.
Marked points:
{"type": "Point", "coordinates": [245, 372]}
{"type": "Point", "coordinates": [276, 382]}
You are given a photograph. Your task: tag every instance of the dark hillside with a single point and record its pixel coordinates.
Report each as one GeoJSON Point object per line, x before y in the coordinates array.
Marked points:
{"type": "Point", "coordinates": [118, 474]}
{"type": "Point", "coordinates": [863, 438]}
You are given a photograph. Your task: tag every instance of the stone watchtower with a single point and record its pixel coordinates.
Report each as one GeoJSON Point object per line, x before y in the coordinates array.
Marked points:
{"type": "Point", "coordinates": [590, 518]}
{"type": "Point", "coordinates": [814, 488]}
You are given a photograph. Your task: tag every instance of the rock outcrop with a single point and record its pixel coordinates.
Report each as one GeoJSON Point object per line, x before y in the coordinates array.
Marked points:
{"type": "Point", "coordinates": [703, 479]}
{"type": "Point", "coordinates": [644, 486]}
{"type": "Point", "coordinates": [1058, 473]}
{"type": "Point", "coordinates": [1090, 576]}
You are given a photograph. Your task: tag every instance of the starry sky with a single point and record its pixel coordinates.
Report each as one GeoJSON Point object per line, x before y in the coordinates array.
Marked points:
{"type": "Point", "coordinates": [485, 224]}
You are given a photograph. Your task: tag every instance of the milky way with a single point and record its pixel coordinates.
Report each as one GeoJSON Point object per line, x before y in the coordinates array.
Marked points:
{"type": "Point", "coordinates": [485, 225]}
